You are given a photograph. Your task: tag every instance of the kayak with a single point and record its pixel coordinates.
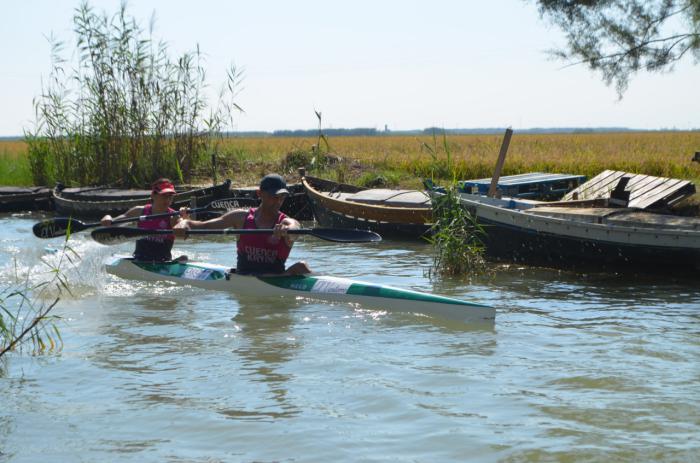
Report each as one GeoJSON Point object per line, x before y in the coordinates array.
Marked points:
{"type": "Point", "coordinates": [315, 287]}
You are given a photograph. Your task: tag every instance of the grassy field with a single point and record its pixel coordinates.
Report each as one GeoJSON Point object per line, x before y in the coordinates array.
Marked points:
{"type": "Point", "coordinates": [406, 160]}
{"type": "Point", "coordinates": [14, 164]}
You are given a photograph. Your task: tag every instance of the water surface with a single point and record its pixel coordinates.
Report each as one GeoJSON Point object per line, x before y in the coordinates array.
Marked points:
{"type": "Point", "coordinates": [575, 368]}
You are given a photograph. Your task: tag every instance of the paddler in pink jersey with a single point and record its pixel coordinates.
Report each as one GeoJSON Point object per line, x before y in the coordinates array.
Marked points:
{"type": "Point", "coordinates": [258, 254]}
{"type": "Point", "coordinates": [157, 247]}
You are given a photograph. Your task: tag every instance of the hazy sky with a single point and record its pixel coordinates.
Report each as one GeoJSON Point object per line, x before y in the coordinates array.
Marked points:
{"type": "Point", "coordinates": [407, 64]}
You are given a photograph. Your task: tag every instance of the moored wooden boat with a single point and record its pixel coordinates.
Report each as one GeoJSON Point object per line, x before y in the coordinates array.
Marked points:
{"type": "Point", "coordinates": [295, 205]}
{"type": "Point", "coordinates": [314, 287]}
{"type": "Point", "coordinates": [597, 238]}
{"type": "Point", "coordinates": [18, 199]}
{"type": "Point", "coordinates": [391, 213]}
{"type": "Point", "coordinates": [532, 185]}
{"type": "Point", "coordinates": [98, 201]}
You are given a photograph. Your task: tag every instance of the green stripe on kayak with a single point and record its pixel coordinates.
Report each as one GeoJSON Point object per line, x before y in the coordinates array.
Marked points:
{"type": "Point", "coordinates": [185, 271]}
{"type": "Point", "coordinates": [295, 282]}
{"type": "Point", "coordinates": [396, 293]}
{"type": "Point", "coordinates": [331, 285]}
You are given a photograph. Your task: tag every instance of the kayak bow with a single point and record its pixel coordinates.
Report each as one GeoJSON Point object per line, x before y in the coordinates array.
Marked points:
{"type": "Point", "coordinates": [323, 288]}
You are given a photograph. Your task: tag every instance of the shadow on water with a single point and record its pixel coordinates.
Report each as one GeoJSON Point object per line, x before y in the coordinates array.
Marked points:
{"type": "Point", "coordinates": [266, 342]}
{"type": "Point", "coordinates": [148, 341]}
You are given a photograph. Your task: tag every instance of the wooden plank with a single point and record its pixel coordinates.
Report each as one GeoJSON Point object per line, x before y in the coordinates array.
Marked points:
{"type": "Point", "coordinates": [601, 184]}
{"type": "Point", "coordinates": [645, 190]}
{"type": "Point", "coordinates": [668, 191]}
{"type": "Point", "coordinates": [592, 187]}
{"type": "Point", "coordinates": [646, 186]}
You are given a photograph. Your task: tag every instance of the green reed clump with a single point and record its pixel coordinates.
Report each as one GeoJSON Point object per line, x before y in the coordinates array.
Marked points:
{"type": "Point", "coordinates": [126, 112]}
{"type": "Point", "coordinates": [456, 237]}
{"type": "Point", "coordinates": [25, 307]}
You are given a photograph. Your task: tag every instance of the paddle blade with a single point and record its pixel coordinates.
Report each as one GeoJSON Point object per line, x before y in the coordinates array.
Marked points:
{"type": "Point", "coordinates": [345, 235]}
{"type": "Point", "coordinates": [52, 228]}
{"type": "Point", "coordinates": [118, 235]}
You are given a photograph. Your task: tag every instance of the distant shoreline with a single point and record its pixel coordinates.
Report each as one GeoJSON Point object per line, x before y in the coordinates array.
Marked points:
{"type": "Point", "coordinates": [369, 132]}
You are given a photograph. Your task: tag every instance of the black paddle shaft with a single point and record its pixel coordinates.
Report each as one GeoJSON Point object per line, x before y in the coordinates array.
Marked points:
{"type": "Point", "coordinates": [115, 235]}
{"type": "Point", "coordinates": [59, 226]}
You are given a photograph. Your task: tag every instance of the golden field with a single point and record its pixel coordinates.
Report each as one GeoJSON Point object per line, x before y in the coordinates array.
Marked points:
{"type": "Point", "coordinates": [666, 154]}
{"type": "Point", "coordinates": [411, 158]}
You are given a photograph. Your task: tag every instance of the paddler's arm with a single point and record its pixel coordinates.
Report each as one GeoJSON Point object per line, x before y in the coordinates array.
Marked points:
{"type": "Point", "coordinates": [231, 219]}
{"type": "Point", "coordinates": [136, 211]}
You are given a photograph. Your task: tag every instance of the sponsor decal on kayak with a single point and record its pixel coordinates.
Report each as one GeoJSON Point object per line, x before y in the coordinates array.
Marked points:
{"type": "Point", "coordinates": [194, 273]}
{"type": "Point", "coordinates": [331, 285]}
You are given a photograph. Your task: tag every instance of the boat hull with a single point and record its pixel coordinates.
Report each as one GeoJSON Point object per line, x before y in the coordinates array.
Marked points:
{"type": "Point", "coordinates": [18, 199]}
{"type": "Point", "coordinates": [388, 221]}
{"type": "Point", "coordinates": [593, 242]}
{"type": "Point", "coordinates": [315, 287]}
{"type": "Point", "coordinates": [72, 205]}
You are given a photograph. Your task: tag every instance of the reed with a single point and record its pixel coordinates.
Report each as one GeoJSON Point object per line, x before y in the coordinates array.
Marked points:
{"type": "Point", "coordinates": [126, 113]}
{"type": "Point", "coordinates": [25, 306]}
{"type": "Point", "coordinates": [456, 237]}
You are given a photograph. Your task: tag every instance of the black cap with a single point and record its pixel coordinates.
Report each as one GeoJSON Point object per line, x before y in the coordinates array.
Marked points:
{"type": "Point", "coordinates": [274, 184]}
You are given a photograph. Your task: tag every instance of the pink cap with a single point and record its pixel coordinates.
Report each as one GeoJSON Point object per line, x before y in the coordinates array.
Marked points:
{"type": "Point", "coordinates": [164, 188]}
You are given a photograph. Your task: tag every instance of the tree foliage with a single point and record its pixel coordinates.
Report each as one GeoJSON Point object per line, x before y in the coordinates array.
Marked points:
{"type": "Point", "coordinates": [620, 37]}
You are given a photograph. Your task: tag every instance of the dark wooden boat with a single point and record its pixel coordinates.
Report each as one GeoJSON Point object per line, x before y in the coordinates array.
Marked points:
{"type": "Point", "coordinates": [296, 205]}
{"type": "Point", "coordinates": [391, 213]}
{"type": "Point", "coordinates": [98, 201]}
{"type": "Point", "coordinates": [18, 199]}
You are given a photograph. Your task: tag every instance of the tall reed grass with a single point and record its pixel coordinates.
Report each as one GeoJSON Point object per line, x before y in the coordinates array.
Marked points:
{"type": "Point", "coordinates": [126, 112]}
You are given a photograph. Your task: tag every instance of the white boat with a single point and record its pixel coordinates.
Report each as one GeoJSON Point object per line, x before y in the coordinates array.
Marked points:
{"type": "Point", "coordinates": [323, 288]}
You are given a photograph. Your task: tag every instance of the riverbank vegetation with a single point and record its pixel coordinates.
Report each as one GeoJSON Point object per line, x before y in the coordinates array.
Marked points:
{"type": "Point", "coordinates": [405, 161]}
{"type": "Point", "coordinates": [126, 112]}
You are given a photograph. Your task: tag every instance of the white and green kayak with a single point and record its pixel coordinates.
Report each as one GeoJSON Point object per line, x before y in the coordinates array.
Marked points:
{"type": "Point", "coordinates": [323, 288]}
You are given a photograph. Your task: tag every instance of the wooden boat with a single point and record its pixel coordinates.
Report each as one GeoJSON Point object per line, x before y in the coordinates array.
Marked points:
{"type": "Point", "coordinates": [314, 287]}
{"type": "Point", "coordinates": [533, 185]}
{"type": "Point", "coordinates": [391, 213]}
{"type": "Point", "coordinates": [586, 236]}
{"type": "Point", "coordinates": [98, 201]}
{"type": "Point", "coordinates": [18, 199]}
{"type": "Point", "coordinates": [295, 205]}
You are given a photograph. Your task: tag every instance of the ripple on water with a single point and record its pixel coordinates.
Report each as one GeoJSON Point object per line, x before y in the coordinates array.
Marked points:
{"type": "Point", "coordinates": [576, 367]}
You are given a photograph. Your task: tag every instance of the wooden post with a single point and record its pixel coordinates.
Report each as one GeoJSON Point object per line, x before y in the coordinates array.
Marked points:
{"type": "Point", "coordinates": [499, 163]}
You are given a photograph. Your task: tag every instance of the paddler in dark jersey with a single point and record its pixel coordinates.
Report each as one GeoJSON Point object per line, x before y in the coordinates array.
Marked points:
{"type": "Point", "coordinates": [156, 247]}
{"type": "Point", "coordinates": [258, 254]}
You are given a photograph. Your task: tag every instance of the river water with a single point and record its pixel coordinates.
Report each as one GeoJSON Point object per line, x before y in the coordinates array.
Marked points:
{"type": "Point", "coordinates": [575, 368]}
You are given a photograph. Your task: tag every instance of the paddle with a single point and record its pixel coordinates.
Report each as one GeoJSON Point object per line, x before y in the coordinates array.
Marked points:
{"type": "Point", "coordinates": [52, 228]}
{"type": "Point", "coordinates": [116, 235]}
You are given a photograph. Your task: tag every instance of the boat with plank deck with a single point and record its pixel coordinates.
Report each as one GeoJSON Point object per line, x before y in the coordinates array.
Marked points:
{"type": "Point", "coordinates": [532, 185]}
{"type": "Point", "coordinates": [597, 233]}
{"type": "Point", "coordinates": [393, 213]}
{"type": "Point", "coordinates": [314, 287]}
{"type": "Point", "coordinates": [295, 205]}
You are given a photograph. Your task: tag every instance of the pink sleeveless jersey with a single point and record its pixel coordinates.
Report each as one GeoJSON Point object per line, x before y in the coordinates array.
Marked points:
{"type": "Point", "coordinates": [156, 247]}
{"type": "Point", "coordinates": [261, 253]}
